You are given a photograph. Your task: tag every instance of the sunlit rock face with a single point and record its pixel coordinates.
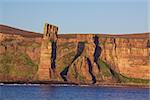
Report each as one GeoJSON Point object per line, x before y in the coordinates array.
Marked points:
{"type": "Point", "coordinates": [45, 71]}
{"type": "Point", "coordinates": [19, 54]}
{"type": "Point", "coordinates": [128, 56]}
{"type": "Point", "coordinates": [83, 67]}
{"type": "Point", "coordinates": [81, 58]}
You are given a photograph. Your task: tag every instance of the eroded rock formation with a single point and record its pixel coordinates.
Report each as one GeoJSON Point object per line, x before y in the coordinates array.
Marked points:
{"type": "Point", "coordinates": [48, 53]}
{"type": "Point", "coordinates": [81, 58]}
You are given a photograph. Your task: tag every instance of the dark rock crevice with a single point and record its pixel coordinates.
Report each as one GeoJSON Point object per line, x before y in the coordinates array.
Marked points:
{"type": "Point", "coordinates": [115, 45]}
{"type": "Point", "coordinates": [148, 43]}
{"type": "Point", "coordinates": [114, 75]}
{"type": "Point", "coordinates": [97, 51]}
{"type": "Point", "coordinates": [90, 71]}
{"type": "Point", "coordinates": [80, 48]}
{"type": "Point", "coordinates": [5, 48]}
{"type": "Point", "coordinates": [63, 74]}
{"type": "Point", "coordinates": [53, 60]}
{"type": "Point", "coordinates": [53, 57]}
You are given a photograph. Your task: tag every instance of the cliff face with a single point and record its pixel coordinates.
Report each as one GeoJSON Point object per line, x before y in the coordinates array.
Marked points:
{"type": "Point", "coordinates": [113, 58]}
{"type": "Point", "coordinates": [82, 58]}
{"type": "Point", "coordinates": [128, 56]}
{"type": "Point", "coordinates": [19, 54]}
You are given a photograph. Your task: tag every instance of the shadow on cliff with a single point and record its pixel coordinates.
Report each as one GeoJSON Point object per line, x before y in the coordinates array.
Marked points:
{"type": "Point", "coordinates": [98, 51]}
{"type": "Point", "coordinates": [53, 60]}
{"type": "Point", "coordinates": [97, 54]}
{"type": "Point", "coordinates": [148, 44]}
{"type": "Point", "coordinates": [63, 74]}
{"type": "Point", "coordinates": [80, 48]}
{"type": "Point", "coordinates": [115, 75]}
{"type": "Point", "coordinates": [53, 57]}
{"type": "Point", "coordinates": [90, 71]}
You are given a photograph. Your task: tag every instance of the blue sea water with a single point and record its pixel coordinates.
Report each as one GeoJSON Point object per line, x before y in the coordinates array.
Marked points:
{"type": "Point", "coordinates": [47, 92]}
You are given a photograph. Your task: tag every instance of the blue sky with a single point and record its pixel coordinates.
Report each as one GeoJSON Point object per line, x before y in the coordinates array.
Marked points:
{"type": "Point", "coordinates": [77, 16]}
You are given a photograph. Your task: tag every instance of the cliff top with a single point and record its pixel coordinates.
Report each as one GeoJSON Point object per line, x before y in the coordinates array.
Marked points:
{"type": "Point", "coordinates": [11, 30]}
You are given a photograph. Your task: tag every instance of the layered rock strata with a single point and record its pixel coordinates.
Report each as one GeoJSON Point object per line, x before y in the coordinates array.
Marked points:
{"type": "Point", "coordinates": [81, 58]}
{"type": "Point", "coordinates": [47, 63]}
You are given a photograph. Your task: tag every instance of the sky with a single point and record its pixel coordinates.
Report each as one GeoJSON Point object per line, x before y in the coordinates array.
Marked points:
{"type": "Point", "coordinates": [78, 16]}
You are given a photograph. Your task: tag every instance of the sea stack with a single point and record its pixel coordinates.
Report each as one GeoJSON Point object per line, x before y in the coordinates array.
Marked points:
{"type": "Point", "coordinates": [50, 36]}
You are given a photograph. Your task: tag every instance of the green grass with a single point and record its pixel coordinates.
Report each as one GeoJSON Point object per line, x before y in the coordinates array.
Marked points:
{"type": "Point", "coordinates": [80, 77]}
{"type": "Point", "coordinates": [119, 77]}
{"type": "Point", "coordinates": [125, 79]}
{"type": "Point", "coordinates": [64, 61]}
{"type": "Point", "coordinates": [17, 64]}
{"type": "Point", "coordinates": [105, 68]}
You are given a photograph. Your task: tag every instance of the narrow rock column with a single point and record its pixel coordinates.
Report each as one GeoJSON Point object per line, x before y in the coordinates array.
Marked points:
{"type": "Point", "coordinates": [44, 69]}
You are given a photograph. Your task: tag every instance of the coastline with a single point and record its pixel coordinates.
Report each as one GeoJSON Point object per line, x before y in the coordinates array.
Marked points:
{"type": "Point", "coordinates": [60, 83]}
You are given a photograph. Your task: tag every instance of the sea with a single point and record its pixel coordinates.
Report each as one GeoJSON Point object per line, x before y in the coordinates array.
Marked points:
{"type": "Point", "coordinates": [70, 92]}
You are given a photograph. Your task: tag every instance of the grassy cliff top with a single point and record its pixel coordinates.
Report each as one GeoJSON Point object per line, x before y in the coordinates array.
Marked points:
{"type": "Point", "coordinates": [11, 30]}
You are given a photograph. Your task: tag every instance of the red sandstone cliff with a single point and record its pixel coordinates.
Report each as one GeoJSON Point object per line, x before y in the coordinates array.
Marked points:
{"type": "Point", "coordinates": [84, 58]}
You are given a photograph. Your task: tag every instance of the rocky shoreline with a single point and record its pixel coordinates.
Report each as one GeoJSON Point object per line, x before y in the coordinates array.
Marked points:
{"type": "Point", "coordinates": [58, 83]}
